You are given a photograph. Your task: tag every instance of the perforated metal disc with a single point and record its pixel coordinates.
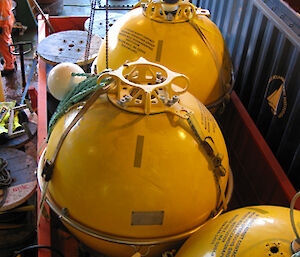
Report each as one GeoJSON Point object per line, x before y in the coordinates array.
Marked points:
{"type": "Point", "coordinates": [68, 46]}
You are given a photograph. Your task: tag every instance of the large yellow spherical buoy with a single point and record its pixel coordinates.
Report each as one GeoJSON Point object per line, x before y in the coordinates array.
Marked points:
{"type": "Point", "coordinates": [184, 40]}
{"type": "Point", "coordinates": [246, 232]}
{"type": "Point", "coordinates": [60, 80]}
{"type": "Point", "coordinates": [144, 167]}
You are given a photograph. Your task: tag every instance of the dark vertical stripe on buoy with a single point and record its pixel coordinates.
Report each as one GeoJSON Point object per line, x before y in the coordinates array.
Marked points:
{"type": "Point", "coordinates": [159, 50]}
{"type": "Point", "coordinates": [139, 151]}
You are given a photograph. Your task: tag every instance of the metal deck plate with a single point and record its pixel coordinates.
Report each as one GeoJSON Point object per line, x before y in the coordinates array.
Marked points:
{"type": "Point", "coordinates": [68, 46]}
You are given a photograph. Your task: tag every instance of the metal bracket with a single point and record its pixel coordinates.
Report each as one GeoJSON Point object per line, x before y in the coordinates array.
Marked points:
{"type": "Point", "coordinates": [147, 88]}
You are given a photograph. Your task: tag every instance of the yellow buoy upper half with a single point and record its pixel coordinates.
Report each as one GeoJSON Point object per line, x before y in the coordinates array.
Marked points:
{"type": "Point", "coordinates": [191, 45]}
{"type": "Point", "coordinates": [246, 232]}
{"type": "Point", "coordinates": [115, 167]}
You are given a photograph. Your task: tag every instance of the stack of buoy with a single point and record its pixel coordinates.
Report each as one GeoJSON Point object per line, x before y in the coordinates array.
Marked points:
{"type": "Point", "coordinates": [141, 164]}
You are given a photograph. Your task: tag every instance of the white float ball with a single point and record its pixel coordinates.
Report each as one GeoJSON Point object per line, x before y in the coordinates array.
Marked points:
{"type": "Point", "coordinates": [60, 80]}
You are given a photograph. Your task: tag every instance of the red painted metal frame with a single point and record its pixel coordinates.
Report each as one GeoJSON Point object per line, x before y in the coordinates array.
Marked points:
{"type": "Point", "coordinates": [44, 226]}
{"type": "Point", "coordinates": [59, 24]}
{"type": "Point", "coordinates": [258, 176]}
{"type": "Point", "coordinates": [259, 179]}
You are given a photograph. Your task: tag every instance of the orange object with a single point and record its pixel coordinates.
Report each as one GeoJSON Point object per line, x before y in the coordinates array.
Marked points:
{"type": "Point", "coordinates": [7, 21]}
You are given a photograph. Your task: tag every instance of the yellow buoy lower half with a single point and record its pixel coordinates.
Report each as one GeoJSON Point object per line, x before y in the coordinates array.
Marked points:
{"type": "Point", "coordinates": [245, 232]}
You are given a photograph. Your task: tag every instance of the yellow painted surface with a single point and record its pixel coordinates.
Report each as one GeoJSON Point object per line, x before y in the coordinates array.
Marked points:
{"type": "Point", "coordinates": [102, 176]}
{"type": "Point", "coordinates": [246, 232]}
{"type": "Point", "coordinates": [177, 46]}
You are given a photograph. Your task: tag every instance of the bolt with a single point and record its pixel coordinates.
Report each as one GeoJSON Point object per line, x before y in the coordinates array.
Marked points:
{"type": "Point", "coordinates": [175, 98]}
{"type": "Point", "coordinates": [159, 78]}
{"type": "Point", "coordinates": [172, 101]}
{"type": "Point", "coordinates": [65, 211]}
{"type": "Point", "coordinates": [124, 100]}
{"type": "Point", "coordinates": [127, 98]}
{"type": "Point", "coordinates": [169, 17]}
{"type": "Point", "coordinates": [162, 98]}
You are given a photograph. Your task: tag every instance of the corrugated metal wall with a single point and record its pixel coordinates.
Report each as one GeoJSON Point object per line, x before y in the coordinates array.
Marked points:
{"type": "Point", "coordinates": [263, 38]}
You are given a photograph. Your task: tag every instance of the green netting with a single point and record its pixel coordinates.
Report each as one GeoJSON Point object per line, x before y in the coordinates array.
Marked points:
{"type": "Point", "coordinates": [77, 94]}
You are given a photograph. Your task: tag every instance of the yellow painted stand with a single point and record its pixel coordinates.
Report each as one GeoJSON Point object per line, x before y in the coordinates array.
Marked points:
{"type": "Point", "coordinates": [2, 98]}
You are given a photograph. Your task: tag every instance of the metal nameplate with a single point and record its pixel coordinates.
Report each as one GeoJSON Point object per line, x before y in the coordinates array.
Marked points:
{"type": "Point", "coordinates": [147, 218]}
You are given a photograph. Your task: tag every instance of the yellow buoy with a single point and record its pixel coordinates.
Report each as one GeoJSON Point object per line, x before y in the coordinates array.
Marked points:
{"type": "Point", "coordinates": [245, 232]}
{"type": "Point", "coordinates": [184, 40]}
{"type": "Point", "coordinates": [144, 167]}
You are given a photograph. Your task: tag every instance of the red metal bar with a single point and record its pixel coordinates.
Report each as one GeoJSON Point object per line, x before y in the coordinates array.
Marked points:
{"type": "Point", "coordinates": [44, 230]}
{"type": "Point", "coordinates": [67, 23]}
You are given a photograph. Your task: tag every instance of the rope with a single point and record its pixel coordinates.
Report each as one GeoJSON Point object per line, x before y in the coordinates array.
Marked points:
{"type": "Point", "coordinates": [82, 90]}
{"type": "Point", "coordinates": [5, 180]}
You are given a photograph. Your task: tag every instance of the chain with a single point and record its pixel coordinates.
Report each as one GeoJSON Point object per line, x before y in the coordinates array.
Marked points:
{"type": "Point", "coordinates": [89, 37]}
{"type": "Point", "coordinates": [82, 90]}
{"type": "Point", "coordinates": [106, 33]}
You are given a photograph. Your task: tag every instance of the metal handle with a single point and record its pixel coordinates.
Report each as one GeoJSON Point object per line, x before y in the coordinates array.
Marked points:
{"type": "Point", "coordinates": [20, 47]}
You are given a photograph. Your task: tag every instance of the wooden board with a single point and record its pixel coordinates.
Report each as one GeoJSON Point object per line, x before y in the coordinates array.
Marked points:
{"type": "Point", "coordinates": [68, 46]}
{"type": "Point", "coordinates": [20, 141]}
{"type": "Point", "coordinates": [22, 168]}
{"type": "Point", "coordinates": [99, 26]}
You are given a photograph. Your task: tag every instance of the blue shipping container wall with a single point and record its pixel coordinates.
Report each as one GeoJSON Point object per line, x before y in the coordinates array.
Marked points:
{"type": "Point", "coordinates": [263, 38]}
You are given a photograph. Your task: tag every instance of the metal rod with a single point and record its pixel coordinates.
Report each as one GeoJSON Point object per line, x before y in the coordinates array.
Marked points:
{"type": "Point", "coordinates": [106, 34]}
{"type": "Point", "coordinates": [89, 36]}
{"type": "Point", "coordinates": [43, 15]}
{"type": "Point", "coordinates": [21, 51]}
